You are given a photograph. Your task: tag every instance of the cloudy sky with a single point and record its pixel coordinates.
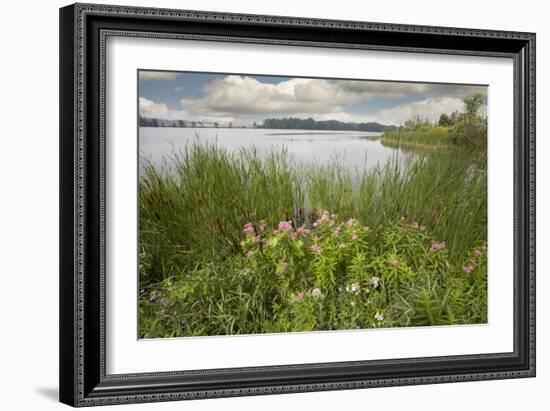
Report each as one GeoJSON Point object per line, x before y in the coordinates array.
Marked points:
{"type": "Point", "coordinates": [244, 99]}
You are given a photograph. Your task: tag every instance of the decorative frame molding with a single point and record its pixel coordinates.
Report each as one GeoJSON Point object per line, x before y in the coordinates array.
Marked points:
{"type": "Point", "coordinates": [83, 32]}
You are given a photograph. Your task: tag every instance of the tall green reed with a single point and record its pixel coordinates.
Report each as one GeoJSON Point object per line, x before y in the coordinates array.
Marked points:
{"type": "Point", "coordinates": [197, 210]}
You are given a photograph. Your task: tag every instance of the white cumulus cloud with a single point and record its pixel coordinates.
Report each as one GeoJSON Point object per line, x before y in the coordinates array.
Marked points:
{"type": "Point", "coordinates": [151, 109]}
{"type": "Point", "coordinates": [245, 97]}
{"type": "Point", "coordinates": [430, 108]}
{"type": "Point", "coordinates": [242, 96]}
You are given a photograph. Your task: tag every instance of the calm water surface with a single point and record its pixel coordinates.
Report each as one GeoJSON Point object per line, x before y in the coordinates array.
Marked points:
{"type": "Point", "coordinates": [357, 150]}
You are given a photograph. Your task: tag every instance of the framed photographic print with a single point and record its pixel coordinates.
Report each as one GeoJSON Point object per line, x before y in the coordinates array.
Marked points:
{"type": "Point", "coordinates": [262, 204]}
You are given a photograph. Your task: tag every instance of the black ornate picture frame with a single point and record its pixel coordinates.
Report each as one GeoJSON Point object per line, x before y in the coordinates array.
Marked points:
{"type": "Point", "coordinates": [84, 29]}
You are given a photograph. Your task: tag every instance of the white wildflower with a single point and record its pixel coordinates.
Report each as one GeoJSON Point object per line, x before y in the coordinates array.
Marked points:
{"type": "Point", "coordinates": [316, 293]}
{"type": "Point", "coordinates": [354, 288]}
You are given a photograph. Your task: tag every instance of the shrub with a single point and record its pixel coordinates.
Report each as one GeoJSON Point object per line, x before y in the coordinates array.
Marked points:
{"type": "Point", "coordinates": [334, 274]}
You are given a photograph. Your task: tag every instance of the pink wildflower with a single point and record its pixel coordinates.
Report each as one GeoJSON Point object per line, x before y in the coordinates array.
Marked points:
{"type": "Point", "coordinates": [366, 229]}
{"type": "Point", "coordinates": [413, 224]}
{"type": "Point", "coordinates": [351, 222]}
{"type": "Point", "coordinates": [302, 231]}
{"type": "Point", "coordinates": [246, 272]}
{"type": "Point", "coordinates": [250, 254]}
{"type": "Point", "coordinates": [467, 269]}
{"type": "Point", "coordinates": [354, 236]}
{"type": "Point", "coordinates": [249, 229]}
{"type": "Point", "coordinates": [316, 249]}
{"type": "Point", "coordinates": [285, 226]}
{"type": "Point", "coordinates": [256, 239]}
{"type": "Point", "coordinates": [299, 297]}
{"type": "Point", "coordinates": [437, 246]}
{"type": "Point", "coordinates": [477, 253]}
{"type": "Point", "coordinates": [325, 217]}
{"type": "Point", "coordinates": [336, 232]}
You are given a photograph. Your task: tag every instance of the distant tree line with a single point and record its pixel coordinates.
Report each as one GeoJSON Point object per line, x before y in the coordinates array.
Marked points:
{"type": "Point", "coordinates": [311, 124]}
{"type": "Point", "coordinates": [148, 122]}
{"type": "Point", "coordinates": [157, 122]}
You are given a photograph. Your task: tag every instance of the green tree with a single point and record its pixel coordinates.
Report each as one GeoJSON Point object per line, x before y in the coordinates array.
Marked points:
{"type": "Point", "coordinates": [444, 120]}
{"type": "Point", "coordinates": [471, 126]}
{"type": "Point", "coordinates": [473, 105]}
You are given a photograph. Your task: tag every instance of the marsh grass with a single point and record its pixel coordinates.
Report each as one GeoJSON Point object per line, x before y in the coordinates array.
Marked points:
{"type": "Point", "coordinates": [433, 138]}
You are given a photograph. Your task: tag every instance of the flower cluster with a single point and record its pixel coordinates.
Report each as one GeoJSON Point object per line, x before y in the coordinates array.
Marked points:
{"type": "Point", "coordinates": [354, 288]}
{"type": "Point", "coordinates": [436, 246]}
{"type": "Point", "coordinates": [323, 219]}
{"type": "Point", "coordinates": [316, 249]}
{"type": "Point", "coordinates": [302, 231]}
{"type": "Point", "coordinates": [352, 222]}
{"type": "Point", "coordinates": [316, 293]}
{"type": "Point", "coordinates": [285, 226]}
{"type": "Point", "coordinates": [299, 297]}
{"type": "Point", "coordinates": [249, 229]}
{"type": "Point", "coordinates": [472, 263]}
{"type": "Point", "coordinates": [413, 224]}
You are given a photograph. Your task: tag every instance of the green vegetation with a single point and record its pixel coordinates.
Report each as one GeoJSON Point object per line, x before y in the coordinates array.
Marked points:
{"type": "Point", "coordinates": [426, 138]}
{"type": "Point", "coordinates": [238, 244]}
{"type": "Point", "coordinates": [467, 130]}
